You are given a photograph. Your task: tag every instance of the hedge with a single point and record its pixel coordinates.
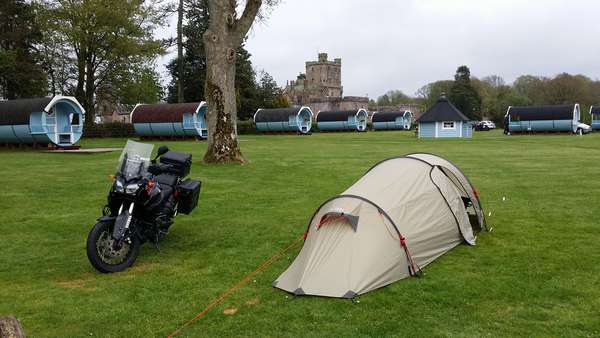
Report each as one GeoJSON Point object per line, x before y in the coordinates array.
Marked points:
{"type": "Point", "coordinates": [111, 129]}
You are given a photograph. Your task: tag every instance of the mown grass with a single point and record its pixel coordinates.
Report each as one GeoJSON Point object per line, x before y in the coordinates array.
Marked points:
{"type": "Point", "coordinates": [537, 274]}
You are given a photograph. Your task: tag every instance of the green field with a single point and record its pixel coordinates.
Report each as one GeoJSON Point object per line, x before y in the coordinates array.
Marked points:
{"type": "Point", "coordinates": [537, 274]}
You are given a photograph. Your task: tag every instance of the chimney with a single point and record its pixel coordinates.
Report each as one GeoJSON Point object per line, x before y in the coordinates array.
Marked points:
{"type": "Point", "coordinates": [322, 57]}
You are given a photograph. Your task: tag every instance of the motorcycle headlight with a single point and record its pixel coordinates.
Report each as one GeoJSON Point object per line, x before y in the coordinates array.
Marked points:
{"type": "Point", "coordinates": [118, 186]}
{"type": "Point", "coordinates": [132, 188]}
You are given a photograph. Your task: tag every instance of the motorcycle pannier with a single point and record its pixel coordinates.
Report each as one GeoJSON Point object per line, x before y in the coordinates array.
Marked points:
{"type": "Point", "coordinates": [189, 190]}
{"type": "Point", "coordinates": [180, 163]}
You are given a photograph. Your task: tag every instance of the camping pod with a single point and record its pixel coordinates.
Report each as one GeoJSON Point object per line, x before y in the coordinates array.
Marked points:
{"type": "Point", "coordinates": [394, 221]}
{"type": "Point", "coordinates": [284, 120]}
{"type": "Point", "coordinates": [54, 120]}
{"type": "Point", "coordinates": [442, 120]}
{"type": "Point", "coordinates": [398, 120]}
{"type": "Point", "coordinates": [170, 120]}
{"type": "Point", "coordinates": [560, 118]}
{"type": "Point", "coordinates": [353, 120]}
{"type": "Point", "coordinates": [595, 116]}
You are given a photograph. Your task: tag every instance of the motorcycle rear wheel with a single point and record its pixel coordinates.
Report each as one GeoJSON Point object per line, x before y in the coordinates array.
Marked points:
{"type": "Point", "coordinates": [102, 254]}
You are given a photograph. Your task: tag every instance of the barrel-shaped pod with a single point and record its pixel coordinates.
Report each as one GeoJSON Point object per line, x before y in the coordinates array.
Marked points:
{"type": "Point", "coordinates": [298, 119]}
{"type": "Point", "coordinates": [595, 117]}
{"type": "Point", "coordinates": [397, 120]}
{"type": "Point", "coordinates": [354, 120]}
{"type": "Point", "coordinates": [170, 120]}
{"type": "Point", "coordinates": [559, 118]}
{"type": "Point", "coordinates": [54, 120]}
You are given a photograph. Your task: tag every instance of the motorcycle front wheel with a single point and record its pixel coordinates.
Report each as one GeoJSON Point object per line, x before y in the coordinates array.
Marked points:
{"type": "Point", "coordinates": [103, 254]}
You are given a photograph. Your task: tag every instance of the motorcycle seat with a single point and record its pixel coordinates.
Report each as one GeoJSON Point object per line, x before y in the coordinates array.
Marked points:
{"type": "Point", "coordinates": [166, 180]}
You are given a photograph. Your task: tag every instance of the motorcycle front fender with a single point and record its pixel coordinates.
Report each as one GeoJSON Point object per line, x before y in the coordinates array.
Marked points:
{"type": "Point", "coordinates": [106, 219]}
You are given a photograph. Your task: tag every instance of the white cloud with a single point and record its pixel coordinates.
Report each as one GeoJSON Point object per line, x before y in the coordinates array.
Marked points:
{"type": "Point", "coordinates": [405, 44]}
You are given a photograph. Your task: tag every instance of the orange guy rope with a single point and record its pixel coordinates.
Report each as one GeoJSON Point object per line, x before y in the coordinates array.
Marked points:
{"type": "Point", "coordinates": [238, 285]}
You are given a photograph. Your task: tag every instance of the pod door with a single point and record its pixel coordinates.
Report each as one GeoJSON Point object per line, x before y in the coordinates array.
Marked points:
{"type": "Point", "coordinates": [304, 121]}
{"type": "Point", "coordinates": [361, 121]}
{"type": "Point", "coordinates": [63, 124]}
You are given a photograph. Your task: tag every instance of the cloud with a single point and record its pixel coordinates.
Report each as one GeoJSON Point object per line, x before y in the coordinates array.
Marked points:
{"type": "Point", "coordinates": [386, 44]}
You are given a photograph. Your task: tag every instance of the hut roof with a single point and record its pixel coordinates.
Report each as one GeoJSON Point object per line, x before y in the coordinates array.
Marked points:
{"type": "Point", "coordinates": [163, 112]}
{"type": "Point", "coordinates": [532, 113]}
{"type": "Point", "coordinates": [18, 111]}
{"type": "Point", "coordinates": [341, 115]}
{"type": "Point", "coordinates": [388, 116]}
{"type": "Point", "coordinates": [443, 110]}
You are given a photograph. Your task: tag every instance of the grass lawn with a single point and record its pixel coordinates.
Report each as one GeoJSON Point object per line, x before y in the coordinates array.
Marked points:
{"type": "Point", "coordinates": [536, 275]}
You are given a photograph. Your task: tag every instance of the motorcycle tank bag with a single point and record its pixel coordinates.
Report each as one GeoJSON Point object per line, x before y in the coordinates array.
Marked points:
{"type": "Point", "coordinates": [180, 163]}
{"type": "Point", "coordinates": [189, 190]}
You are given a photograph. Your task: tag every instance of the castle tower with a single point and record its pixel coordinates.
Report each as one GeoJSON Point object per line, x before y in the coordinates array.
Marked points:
{"type": "Point", "coordinates": [324, 77]}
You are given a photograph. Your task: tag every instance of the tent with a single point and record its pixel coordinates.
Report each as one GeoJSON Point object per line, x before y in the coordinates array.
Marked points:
{"type": "Point", "coordinates": [400, 216]}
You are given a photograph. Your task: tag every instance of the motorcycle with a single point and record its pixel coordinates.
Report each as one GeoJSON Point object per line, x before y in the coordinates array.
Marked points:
{"type": "Point", "coordinates": [143, 201]}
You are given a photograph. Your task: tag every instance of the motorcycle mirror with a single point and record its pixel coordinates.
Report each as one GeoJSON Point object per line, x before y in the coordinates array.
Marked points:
{"type": "Point", "coordinates": [162, 150]}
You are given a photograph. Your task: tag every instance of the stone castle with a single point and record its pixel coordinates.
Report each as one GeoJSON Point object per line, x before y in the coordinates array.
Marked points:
{"type": "Point", "coordinates": [320, 87]}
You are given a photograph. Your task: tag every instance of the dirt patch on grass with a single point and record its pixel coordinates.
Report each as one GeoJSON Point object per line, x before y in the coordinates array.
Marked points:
{"type": "Point", "coordinates": [230, 311]}
{"type": "Point", "coordinates": [143, 267]}
{"type": "Point", "coordinates": [79, 283]}
{"type": "Point", "coordinates": [253, 301]}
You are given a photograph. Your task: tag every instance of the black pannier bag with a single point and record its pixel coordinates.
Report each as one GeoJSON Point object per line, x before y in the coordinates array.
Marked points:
{"type": "Point", "coordinates": [180, 163]}
{"type": "Point", "coordinates": [189, 190]}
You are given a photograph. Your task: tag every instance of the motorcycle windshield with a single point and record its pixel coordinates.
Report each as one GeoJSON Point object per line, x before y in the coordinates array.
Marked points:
{"type": "Point", "coordinates": [135, 159]}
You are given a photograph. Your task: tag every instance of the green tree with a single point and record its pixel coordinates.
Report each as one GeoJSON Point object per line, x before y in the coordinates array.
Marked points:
{"type": "Point", "coordinates": [463, 95]}
{"type": "Point", "coordinates": [21, 74]}
{"type": "Point", "coordinates": [430, 93]}
{"type": "Point", "coordinates": [140, 85]}
{"type": "Point", "coordinates": [106, 38]}
{"type": "Point", "coordinates": [532, 87]}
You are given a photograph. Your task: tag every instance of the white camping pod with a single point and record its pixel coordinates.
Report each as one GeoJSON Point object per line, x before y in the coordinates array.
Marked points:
{"type": "Point", "coordinates": [399, 217]}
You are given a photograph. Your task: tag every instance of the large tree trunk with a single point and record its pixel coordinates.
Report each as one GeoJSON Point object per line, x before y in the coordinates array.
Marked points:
{"type": "Point", "coordinates": [180, 64]}
{"type": "Point", "coordinates": [10, 327]}
{"type": "Point", "coordinates": [221, 40]}
{"type": "Point", "coordinates": [88, 104]}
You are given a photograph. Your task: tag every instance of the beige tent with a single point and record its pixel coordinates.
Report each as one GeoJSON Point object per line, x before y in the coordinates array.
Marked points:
{"type": "Point", "coordinates": [400, 216]}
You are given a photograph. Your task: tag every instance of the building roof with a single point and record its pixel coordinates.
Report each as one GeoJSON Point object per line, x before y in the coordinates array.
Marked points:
{"type": "Point", "coordinates": [443, 110]}
{"type": "Point", "coordinates": [533, 113]}
{"type": "Point", "coordinates": [341, 115]}
{"type": "Point", "coordinates": [163, 112]}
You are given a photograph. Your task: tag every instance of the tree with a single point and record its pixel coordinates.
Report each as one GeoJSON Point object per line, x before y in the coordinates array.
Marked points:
{"type": "Point", "coordinates": [463, 95]}
{"type": "Point", "coordinates": [431, 93]}
{"type": "Point", "coordinates": [140, 85]}
{"type": "Point", "coordinates": [21, 74]}
{"type": "Point", "coordinates": [106, 39]}
{"type": "Point", "coordinates": [225, 34]}
{"type": "Point", "coordinates": [180, 65]}
{"type": "Point", "coordinates": [532, 87]}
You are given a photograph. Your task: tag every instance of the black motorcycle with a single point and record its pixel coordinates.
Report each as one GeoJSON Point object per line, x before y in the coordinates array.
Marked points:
{"type": "Point", "coordinates": [144, 199]}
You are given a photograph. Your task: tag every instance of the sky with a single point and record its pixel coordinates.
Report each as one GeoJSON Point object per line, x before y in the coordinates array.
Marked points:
{"type": "Point", "coordinates": [406, 44]}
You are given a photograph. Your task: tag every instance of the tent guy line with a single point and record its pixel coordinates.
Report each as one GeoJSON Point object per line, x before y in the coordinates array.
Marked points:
{"type": "Point", "coordinates": [238, 285]}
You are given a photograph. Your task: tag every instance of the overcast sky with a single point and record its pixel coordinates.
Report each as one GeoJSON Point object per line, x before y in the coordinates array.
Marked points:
{"type": "Point", "coordinates": [405, 44]}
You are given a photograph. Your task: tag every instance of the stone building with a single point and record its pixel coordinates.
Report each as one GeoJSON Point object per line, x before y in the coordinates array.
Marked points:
{"type": "Point", "coordinates": [320, 87]}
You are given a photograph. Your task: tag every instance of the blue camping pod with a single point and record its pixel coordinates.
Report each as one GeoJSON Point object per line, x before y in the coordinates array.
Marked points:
{"type": "Point", "coordinates": [352, 120]}
{"type": "Point", "coordinates": [595, 115]}
{"type": "Point", "coordinates": [54, 120]}
{"type": "Point", "coordinates": [527, 119]}
{"type": "Point", "coordinates": [170, 120]}
{"type": "Point", "coordinates": [396, 120]}
{"type": "Point", "coordinates": [284, 120]}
